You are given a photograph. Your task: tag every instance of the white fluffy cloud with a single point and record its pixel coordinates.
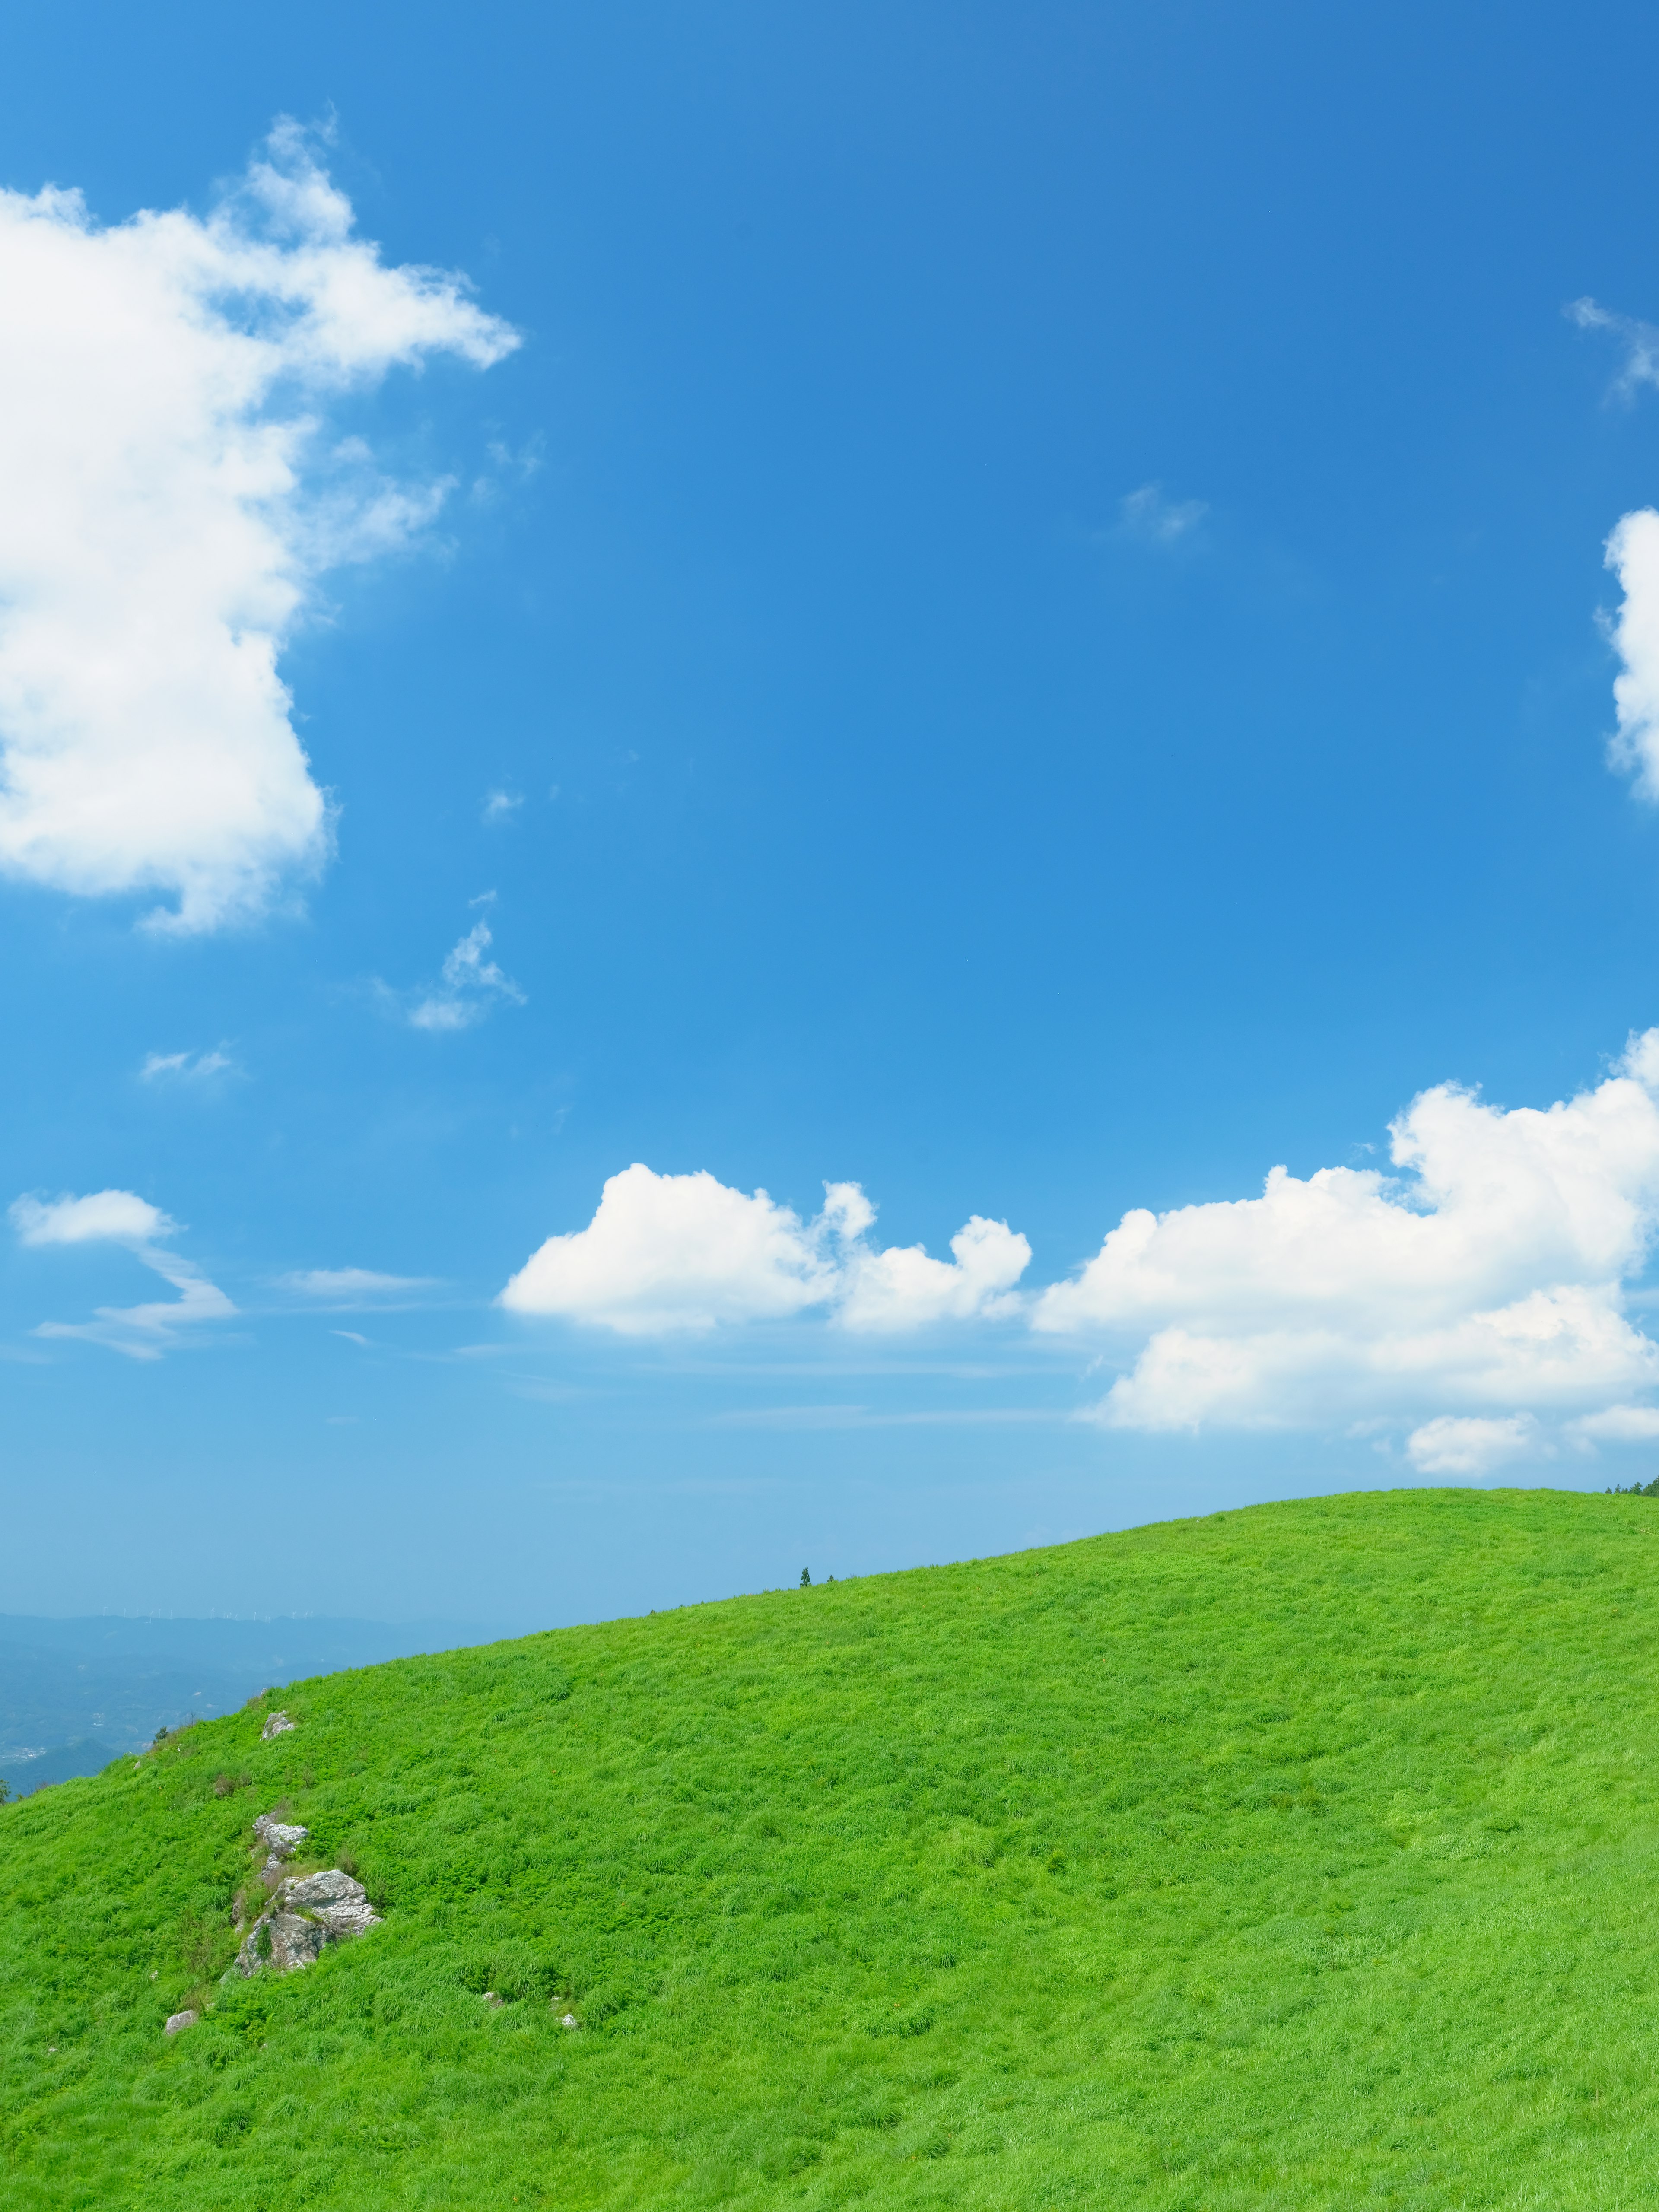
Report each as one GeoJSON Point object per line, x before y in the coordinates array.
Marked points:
{"type": "Point", "coordinates": [1483, 1281]}
{"type": "Point", "coordinates": [1617, 1425]}
{"type": "Point", "coordinates": [902, 1288]}
{"type": "Point", "coordinates": [121, 1217]}
{"type": "Point", "coordinates": [1465, 1444]}
{"type": "Point", "coordinates": [667, 1252]}
{"type": "Point", "coordinates": [1633, 556]}
{"type": "Point", "coordinates": [169, 496]}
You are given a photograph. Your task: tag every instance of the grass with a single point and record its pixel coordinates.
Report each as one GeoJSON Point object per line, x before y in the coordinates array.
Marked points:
{"type": "Point", "coordinates": [1302, 1856]}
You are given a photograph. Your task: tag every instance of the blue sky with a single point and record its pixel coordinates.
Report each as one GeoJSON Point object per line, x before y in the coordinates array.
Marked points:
{"type": "Point", "coordinates": [1006, 606]}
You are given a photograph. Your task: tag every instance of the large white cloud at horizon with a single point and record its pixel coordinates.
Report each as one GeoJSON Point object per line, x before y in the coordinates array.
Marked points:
{"type": "Point", "coordinates": [170, 495]}
{"type": "Point", "coordinates": [667, 1253]}
{"type": "Point", "coordinates": [1473, 1301]}
{"type": "Point", "coordinates": [1481, 1285]}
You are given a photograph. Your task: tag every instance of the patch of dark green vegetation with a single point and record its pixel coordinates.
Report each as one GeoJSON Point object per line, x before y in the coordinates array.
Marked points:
{"type": "Point", "coordinates": [1301, 1857]}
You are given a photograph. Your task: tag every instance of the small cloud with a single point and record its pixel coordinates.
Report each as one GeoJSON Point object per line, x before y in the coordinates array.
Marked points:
{"type": "Point", "coordinates": [501, 806]}
{"type": "Point", "coordinates": [350, 1336]}
{"type": "Point", "coordinates": [1453, 1446]}
{"type": "Point", "coordinates": [468, 987]}
{"type": "Point", "coordinates": [509, 467]}
{"type": "Point", "coordinates": [1617, 1425]}
{"type": "Point", "coordinates": [121, 1217]}
{"type": "Point", "coordinates": [1148, 515]}
{"type": "Point", "coordinates": [104, 1217]}
{"type": "Point", "coordinates": [1640, 342]}
{"type": "Point", "coordinates": [187, 1066]}
{"type": "Point", "coordinates": [552, 790]}
{"type": "Point", "coordinates": [352, 1283]}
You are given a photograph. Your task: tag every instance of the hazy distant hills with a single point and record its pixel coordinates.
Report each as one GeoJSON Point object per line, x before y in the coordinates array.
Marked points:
{"type": "Point", "coordinates": [108, 1683]}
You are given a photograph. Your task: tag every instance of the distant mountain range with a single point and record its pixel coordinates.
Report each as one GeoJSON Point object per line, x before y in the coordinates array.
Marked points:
{"type": "Point", "coordinates": [75, 1693]}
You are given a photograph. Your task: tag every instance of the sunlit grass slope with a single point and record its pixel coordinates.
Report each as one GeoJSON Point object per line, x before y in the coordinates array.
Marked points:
{"type": "Point", "coordinates": [1301, 1857]}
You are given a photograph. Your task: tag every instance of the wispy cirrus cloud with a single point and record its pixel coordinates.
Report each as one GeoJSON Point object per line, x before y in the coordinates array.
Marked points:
{"type": "Point", "coordinates": [187, 1066]}
{"type": "Point", "coordinates": [1638, 341]}
{"type": "Point", "coordinates": [353, 1286]}
{"type": "Point", "coordinates": [1156, 519]}
{"type": "Point", "coordinates": [470, 986]}
{"type": "Point", "coordinates": [122, 1217]}
{"type": "Point", "coordinates": [171, 494]}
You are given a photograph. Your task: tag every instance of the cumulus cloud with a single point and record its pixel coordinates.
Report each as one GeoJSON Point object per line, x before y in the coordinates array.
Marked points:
{"type": "Point", "coordinates": [1633, 556]}
{"type": "Point", "coordinates": [1149, 515]}
{"type": "Point", "coordinates": [121, 1217]}
{"type": "Point", "coordinates": [1465, 1444]}
{"type": "Point", "coordinates": [468, 985]}
{"type": "Point", "coordinates": [1616, 1425]}
{"type": "Point", "coordinates": [116, 1216]}
{"type": "Point", "coordinates": [665, 1253]}
{"type": "Point", "coordinates": [500, 806]}
{"type": "Point", "coordinates": [1484, 1280]}
{"type": "Point", "coordinates": [902, 1288]}
{"type": "Point", "coordinates": [170, 495]}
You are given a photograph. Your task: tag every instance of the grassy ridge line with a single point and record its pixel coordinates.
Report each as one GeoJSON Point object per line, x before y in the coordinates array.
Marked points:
{"type": "Point", "coordinates": [1274, 1858]}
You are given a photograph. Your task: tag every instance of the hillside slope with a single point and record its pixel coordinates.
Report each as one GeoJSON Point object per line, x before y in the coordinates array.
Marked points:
{"type": "Point", "coordinates": [1299, 1857]}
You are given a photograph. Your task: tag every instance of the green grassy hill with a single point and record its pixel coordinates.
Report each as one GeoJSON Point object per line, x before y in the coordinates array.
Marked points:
{"type": "Point", "coordinates": [1300, 1856]}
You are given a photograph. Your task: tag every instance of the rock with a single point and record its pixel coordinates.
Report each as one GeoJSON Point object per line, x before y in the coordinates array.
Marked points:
{"type": "Point", "coordinates": [278, 1724]}
{"type": "Point", "coordinates": [179, 2020]}
{"type": "Point", "coordinates": [308, 1912]}
{"type": "Point", "coordinates": [490, 1998]}
{"type": "Point", "coordinates": [280, 1840]}
{"type": "Point", "coordinates": [570, 2020]}
{"type": "Point", "coordinates": [341, 1904]}
{"type": "Point", "coordinates": [295, 1941]}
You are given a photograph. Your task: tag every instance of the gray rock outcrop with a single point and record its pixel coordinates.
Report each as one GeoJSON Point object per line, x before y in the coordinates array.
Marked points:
{"type": "Point", "coordinates": [280, 1840]}
{"type": "Point", "coordinates": [179, 2020]}
{"type": "Point", "coordinates": [334, 1898]}
{"type": "Point", "coordinates": [278, 1724]}
{"type": "Point", "coordinates": [307, 1913]}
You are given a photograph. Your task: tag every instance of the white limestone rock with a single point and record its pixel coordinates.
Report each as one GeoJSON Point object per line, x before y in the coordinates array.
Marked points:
{"type": "Point", "coordinates": [307, 1913]}
{"type": "Point", "coordinates": [278, 1724]}
{"type": "Point", "coordinates": [178, 2020]}
{"type": "Point", "coordinates": [334, 1898]}
{"type": "Point", "coordinates": [280, 1840]}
